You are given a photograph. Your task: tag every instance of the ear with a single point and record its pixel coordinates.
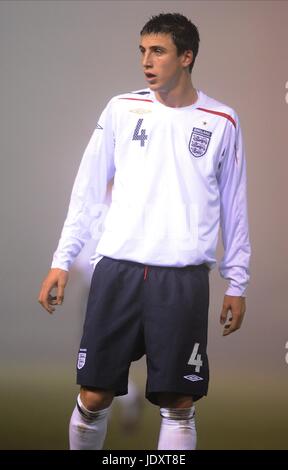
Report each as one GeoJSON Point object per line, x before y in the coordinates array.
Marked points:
{"type": "Point", "coordinates": [187, 58]}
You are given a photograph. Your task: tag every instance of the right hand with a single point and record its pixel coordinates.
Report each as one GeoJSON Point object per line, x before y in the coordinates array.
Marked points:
{"type": "Point", "coordinates": [56, 278]}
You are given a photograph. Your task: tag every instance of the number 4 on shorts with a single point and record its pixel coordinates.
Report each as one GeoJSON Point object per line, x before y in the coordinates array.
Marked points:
{"type": "Point", "coordinates": [195, 359]}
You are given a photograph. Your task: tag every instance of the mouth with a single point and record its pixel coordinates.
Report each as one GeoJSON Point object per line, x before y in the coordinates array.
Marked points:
{"type": "Point", "coordinates": [150, 76]}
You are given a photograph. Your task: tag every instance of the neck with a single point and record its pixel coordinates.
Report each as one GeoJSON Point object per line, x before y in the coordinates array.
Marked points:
{"type": "Point", "coordinates": [183, 94]}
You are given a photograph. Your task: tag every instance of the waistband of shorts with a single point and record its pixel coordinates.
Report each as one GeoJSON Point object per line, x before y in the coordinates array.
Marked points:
{"type": "Point", "coordinates": [190, 267]}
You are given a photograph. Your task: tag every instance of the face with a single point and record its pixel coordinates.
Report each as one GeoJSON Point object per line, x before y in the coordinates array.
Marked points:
{"type": "Point", "coordinates": [163, 68]}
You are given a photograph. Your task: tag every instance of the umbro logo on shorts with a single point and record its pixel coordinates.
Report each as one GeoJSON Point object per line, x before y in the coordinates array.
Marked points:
{"type": "Point", "coordinates": [193, 378]}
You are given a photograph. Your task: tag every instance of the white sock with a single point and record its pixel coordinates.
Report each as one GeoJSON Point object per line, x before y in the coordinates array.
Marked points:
{"type": "Point", "coordinates": [178, 430]}
{"type": "Point", "coordinates": [87, 429]}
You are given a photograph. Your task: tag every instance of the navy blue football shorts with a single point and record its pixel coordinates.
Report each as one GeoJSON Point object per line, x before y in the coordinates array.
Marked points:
{"type": "Point", "coordinates": [134, 310]}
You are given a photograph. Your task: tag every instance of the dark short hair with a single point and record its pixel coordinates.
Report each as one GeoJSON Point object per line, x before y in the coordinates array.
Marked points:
{"type": "Point", "coordinates": [184, 33]}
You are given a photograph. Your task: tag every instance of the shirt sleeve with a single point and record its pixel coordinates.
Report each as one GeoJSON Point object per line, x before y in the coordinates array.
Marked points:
{"type": "Point", "coordinates": [87, 201]}
{"type": "Point", "coordinates": [234, 265]}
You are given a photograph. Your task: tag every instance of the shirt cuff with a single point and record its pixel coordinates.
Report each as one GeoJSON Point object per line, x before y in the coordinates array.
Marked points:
{"type": "Point", "coordinates": [236, 291]}
{"type": "Point", "coordinates": [60, 265]}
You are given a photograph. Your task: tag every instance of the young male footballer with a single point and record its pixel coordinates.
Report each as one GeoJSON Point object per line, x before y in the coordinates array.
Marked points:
{"type": "Point", "coordinates": [175, 160]}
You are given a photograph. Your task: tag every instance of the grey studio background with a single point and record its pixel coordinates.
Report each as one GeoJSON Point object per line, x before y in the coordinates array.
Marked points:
{"type": "Point", "coordinates": [60, 63]}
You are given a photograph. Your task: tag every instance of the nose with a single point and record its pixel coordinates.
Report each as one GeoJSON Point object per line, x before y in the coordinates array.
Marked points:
{"type": "Point", "coordinates": [146, 60]}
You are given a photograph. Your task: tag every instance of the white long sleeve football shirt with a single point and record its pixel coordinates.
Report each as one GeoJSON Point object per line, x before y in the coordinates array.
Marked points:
{"type": "Point", "coordinates": [178, 173]}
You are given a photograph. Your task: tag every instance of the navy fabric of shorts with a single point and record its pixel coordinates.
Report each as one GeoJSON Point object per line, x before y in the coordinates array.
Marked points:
{"type": "Point", "coordinates": [134, 310]}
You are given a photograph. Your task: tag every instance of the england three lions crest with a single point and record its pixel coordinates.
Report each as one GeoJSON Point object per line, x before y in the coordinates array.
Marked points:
{"type": "Point", "coordinates": [199, 142]}
{"type": "Point", "coordinates": [81, 360]}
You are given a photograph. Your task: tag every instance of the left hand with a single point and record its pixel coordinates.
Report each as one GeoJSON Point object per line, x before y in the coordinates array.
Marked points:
{"type": "Point", "coordinates": [237, 307]}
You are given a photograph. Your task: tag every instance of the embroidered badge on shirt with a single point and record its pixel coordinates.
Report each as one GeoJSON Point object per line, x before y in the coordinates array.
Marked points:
{"type": "Point", "coordinates": [199, 142]}
{"type": "Point", "coordinates": [81, 360]}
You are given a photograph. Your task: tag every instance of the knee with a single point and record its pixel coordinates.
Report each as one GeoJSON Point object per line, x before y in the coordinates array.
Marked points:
{"type": "Point", "coordinates": [94, 399]}
{"type": "Point", "coordinates": [174, 400]}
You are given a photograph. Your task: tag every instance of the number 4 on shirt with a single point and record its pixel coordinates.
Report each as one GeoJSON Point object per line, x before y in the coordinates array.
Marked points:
{"type": "Point", "coordinates": [140, 135]}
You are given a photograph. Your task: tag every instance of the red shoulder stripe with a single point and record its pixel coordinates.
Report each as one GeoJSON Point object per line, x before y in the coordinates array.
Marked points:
{"type": "Point", "coordinates": [227, 116]}
{"type": "Point", "coordinates": [136, 99]}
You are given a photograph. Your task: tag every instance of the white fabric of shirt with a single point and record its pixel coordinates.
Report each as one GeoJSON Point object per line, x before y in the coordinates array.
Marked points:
{"type": "Point", "coordinates": [176, 175]}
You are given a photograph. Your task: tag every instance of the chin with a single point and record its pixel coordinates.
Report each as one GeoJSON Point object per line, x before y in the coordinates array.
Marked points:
{"type": "Point", "coordinates": [155, 87]}
{"type": "Point", "coordinates": [152, 85]}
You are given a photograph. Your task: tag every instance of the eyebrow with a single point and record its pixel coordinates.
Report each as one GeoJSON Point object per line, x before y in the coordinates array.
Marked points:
{"type": "Point", "coordinates": [142, 48]}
